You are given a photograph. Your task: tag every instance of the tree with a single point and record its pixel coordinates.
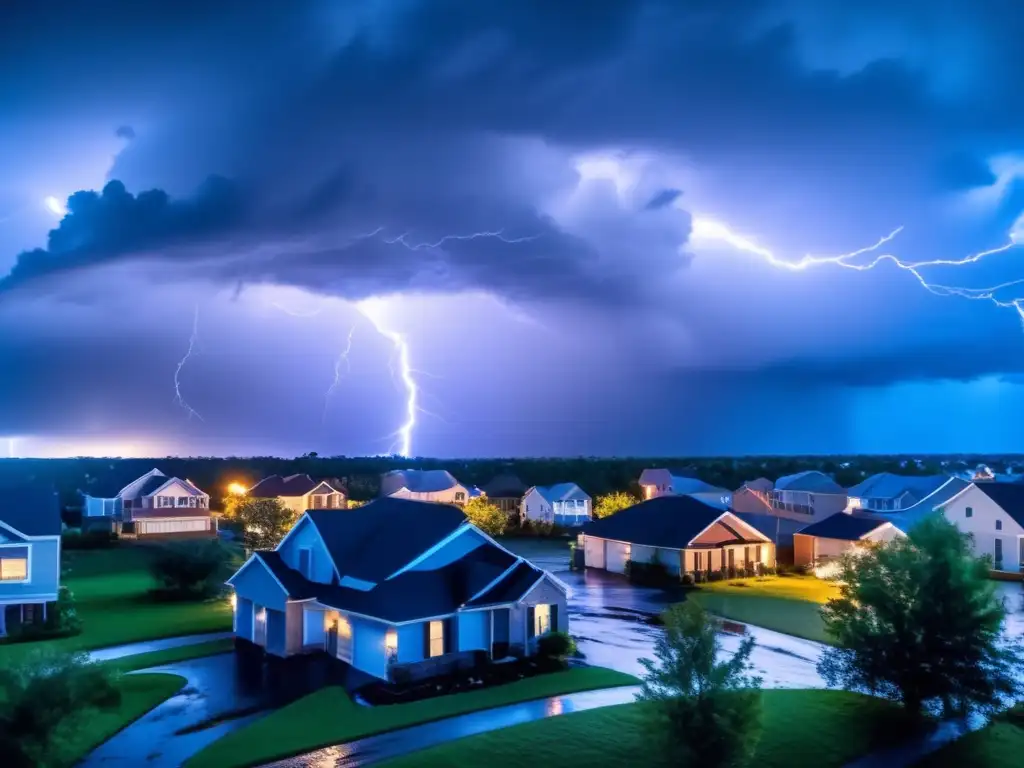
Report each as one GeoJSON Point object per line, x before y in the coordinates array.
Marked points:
{"type": "Point", "coordinates": [190, 569]}
{"type": "Point", "coordinates": [356, 503]}
{"type": "Point", "coordinates": [44, 700]}
{"type": "Point", "coordinates": [486, 516]}
{"type": "Point", "coordinates": [918, 619]}
{"type": "Point", "coordinates": [611, 503]}
{"type": "Point", "coordinates": [701, 711]}
{"type": "Point", "coordinates": [264, 522]}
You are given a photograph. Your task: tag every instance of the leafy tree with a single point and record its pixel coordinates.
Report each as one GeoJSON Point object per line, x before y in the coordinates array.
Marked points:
{"type": "Point", "coordinates": [190, 569]}
{"type": "Point", "coordinates": [264, 522]}
{"type": "Point", "coordinates": [45, 699]}
{"type": "Point", "coordinates": [486, 516]}
{"type": "Point", "coordinates": [918, 619]}
{"type": "Point", "coordinates": [702, 712]}
{"type": "Point", "coordinates": [613, 502]}
{"type": "Point", "coordinates": [356, 504]}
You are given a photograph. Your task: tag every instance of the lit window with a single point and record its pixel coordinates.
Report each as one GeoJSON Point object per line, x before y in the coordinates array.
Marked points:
{"type": "Point", "coordinates": [391, 645]}
{"type": "Point", "coordinates": [13, 569]}
{"type": "Point", "coordinates": [541, 619]}
{"type": "Point", "coordinates": [436, 638]}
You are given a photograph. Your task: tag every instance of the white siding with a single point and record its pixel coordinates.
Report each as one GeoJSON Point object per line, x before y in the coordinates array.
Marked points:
{"type": "Point", "coordinates": [982, 526]}
{"type": "Point", "coordinates": [616, 554]}
{"type": "Point", "coordinates": [593, 552]}
{"type": "Point", "coordinates": [536, 507]}
{"type": "Point", "coordinates": [458, 494]}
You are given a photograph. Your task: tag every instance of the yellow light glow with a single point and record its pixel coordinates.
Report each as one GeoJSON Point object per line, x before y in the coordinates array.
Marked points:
{"type": "Point", "coordinates": [237, 489]}
{"type": "Point", "coordinates": [391, 640]}
{"type": "Point", "coordinates": [234, 601]}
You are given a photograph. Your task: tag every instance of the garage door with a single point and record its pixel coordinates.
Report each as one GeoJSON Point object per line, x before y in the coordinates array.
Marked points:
{"type": "Point", "coordinates": [615, 556]}
{"type": "Point", "coordinates": [593, 553]}
{"type": "Point", "coordinates": [172, 526]}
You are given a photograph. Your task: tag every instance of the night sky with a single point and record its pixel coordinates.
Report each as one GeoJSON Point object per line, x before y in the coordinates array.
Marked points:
{"type": "Point", "coordinates": [257, 187]}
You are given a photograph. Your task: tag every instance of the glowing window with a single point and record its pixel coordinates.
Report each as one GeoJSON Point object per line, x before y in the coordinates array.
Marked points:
{"type": "Point", "coordinates": [541, 619]}
{"type": "Point", "coordinates": [13, 568]}
{"type": "Point", "coordinates": [391, 645]}
{"type": "Point", "coordinates": [436, 638]}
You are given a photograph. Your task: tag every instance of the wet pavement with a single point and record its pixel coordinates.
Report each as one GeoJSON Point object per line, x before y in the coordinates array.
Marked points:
{"type": "Point", "coordinates": [148, 646]}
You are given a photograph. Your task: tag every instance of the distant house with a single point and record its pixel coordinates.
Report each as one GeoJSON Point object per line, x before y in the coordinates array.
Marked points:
{"type": "Point", "coordinates": [810, 495]}
{"type": "Point", "coordinates": [993, 513]}
{"type": "Point", "coordinates": [436, 485]}
{"type": "Point", "coordinates": [663, 482]}
{"type": "Point", "coordinates": [155, 503]}
{"type": "Point", "coordinates": [821, 544]}
{"type": "Point", "coordinates": [561, 504]}
{"type": "Point", "coordinates": [301, 492]}
{"type": "Point", "coordinates": [754, 497]}
{"type": "Point", "coordinates": [888, 492]}
{"type": "Point", "coordinates": [683, 533]}
{"type": "Point", "coordinates": [395, 586]}
{"type": "Point", "coordinates": [30, 528]}
{"type": "Point", "coordinates": [507, 492]}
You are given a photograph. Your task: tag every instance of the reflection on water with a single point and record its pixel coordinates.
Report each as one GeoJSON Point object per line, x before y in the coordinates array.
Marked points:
{"type": "Point", "coordinates": [555, 707]}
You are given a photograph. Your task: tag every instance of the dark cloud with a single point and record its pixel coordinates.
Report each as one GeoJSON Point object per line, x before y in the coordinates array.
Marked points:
{"type": "Point", "coordinates": [662, 199]}
{"type": "Point", "coordinates": [125, 132]}
{"type": "Point", "coordinates": [963, 170]}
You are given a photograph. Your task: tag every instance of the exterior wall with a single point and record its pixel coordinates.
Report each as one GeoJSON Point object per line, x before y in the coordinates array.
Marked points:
{"type": "Point", "coordinates": [459, 547]}
{"type": "Point", "coordinates": [325, 499]}
{"type": "Point", "coordinates": [410, 643]}
{"type": "Point", "coordinates": [176, 490]}
{"type": "Point", "coordinates": [297, 504]}
{"type": "Point", "coordinates": [305, 535]}
{"type": "Point", "coordinates": [163, 526]}
{"type": "Point", "coordinates": [277, 635]}
{"type": "Point", "coordinates": [803, 549]}
{"type": "Point", "coordinates": [314, 630]}
{"type": "Point", "coordinates": [43, 572]}
{"type": "Point", "coordinates": [982, 527]}
{"type": "Point", "coordinates": [536, 507]}
{"type": "Point", "coordinates": [593, 552]}
{"type": "Point", "coordinates": [457, 494]}
{"type": "Point", "coordinates": [243, 618]}
{"type": "Point", "coordinates": [368, 652]}
{"type": "Point", "coordinates": [257, 584]}
{"type": "Point", "coordinates": [474, 630]}
{"type": "Point", "coordinates": [95, 507]}
{"type": "Point", "coordinates": [822, 505]}
{"type": "Point", "coordinates": [716, 534]}
{"type": "Point", "coordinates": [294, 617]}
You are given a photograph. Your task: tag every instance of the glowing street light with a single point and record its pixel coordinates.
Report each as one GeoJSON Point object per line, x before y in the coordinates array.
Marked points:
{"type": "Point", "coordinates": [237, 489]}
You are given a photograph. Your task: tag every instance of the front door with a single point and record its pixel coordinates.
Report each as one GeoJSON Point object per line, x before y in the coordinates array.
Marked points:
{"type": "Point", "coordinates": [332, 638]}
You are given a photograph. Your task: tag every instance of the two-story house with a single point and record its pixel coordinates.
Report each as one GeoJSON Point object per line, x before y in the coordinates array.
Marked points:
{"type": "Point", "coordinates": [809, 495]}
{"type": "Point", "coordinates": [888, 492]}
{"type": "Point", "coordinates": [754, 497]}
{"type": "Point", "coordinates": [663, 482]}
{"type": "Point", "coordinates": [437, 485]}
{"type": "Point", "coordinates": [395, 585]}
{"type": "Point", "coordinates": [993, 513]}
{"type": "Point", "coordinates": [153, 504]}
{"type": "Point", "coordinates": [506, 491]}
{"type": "Point", "coordinates": [30, 527]}
{"type": "Point", "coordinates": [562, 504]}
{"type": "Point", "coordinates": [301, 492]}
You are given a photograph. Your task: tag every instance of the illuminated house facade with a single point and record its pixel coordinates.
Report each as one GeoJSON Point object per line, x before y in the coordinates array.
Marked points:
{"type": "Point", "coordinates": [562, 504]}
{"type": "Point", "coordinates": [30, 528]}
{"type": "Point", "coordinates": [395, 585]}
{"type": "Point", "coordinates": [154, 503]}
{"type": "Point", "coordinates": [301, 492]}
{"type": "Point", "coordinates": [437, 485]}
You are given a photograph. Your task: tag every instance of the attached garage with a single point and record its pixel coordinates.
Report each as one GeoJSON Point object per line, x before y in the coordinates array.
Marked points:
{"type": "Point", "coordinates": [616, 555]}
{"type": "Point", "coordinates": [593, 553]}
{"type": "Point", "coordinates": [822, 544]}
{"type": "Point", "coordinates": [144, 527]}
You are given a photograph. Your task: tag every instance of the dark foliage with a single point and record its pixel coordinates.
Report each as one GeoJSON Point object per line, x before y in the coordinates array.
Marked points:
{"type": "Point", "coordinates": [96, 539]}
{"type": "Point", "coordinates": [556, 646]}
{"type": "Point", "coordinates": [190, 570]}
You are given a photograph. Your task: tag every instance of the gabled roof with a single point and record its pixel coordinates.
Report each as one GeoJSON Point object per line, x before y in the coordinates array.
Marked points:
{"type": "Point", "coordinates": [513, 586]}
{"type": "Point", "coordinates": [887, 485]}
{"type": "Point", "coordinates": [811, 481]}
{"type": "Point", "coordinates": [504, 486]}
{"type": "Point", "coordinates": [1009, 497]}
{"type": "Point", "coordinates": [31, 510]}
{"type": "Point", "coordinates": [762, 484]}
{"type": "Point", "coordinates": [424, 480]}
{"type": "Point", "coordinates": [379, 538]}
{"type": "Point", "coordinates": [672, 522]}
{"type": "Point", "coordinates": [151, 484]}
{"type": "Point", "coordinates": [293, 485]}
{"type": "Point", "coordinates": [694, 485]}
{"type": "Point", "coordinates": [655, 475]}
{"type": "Point", "coordinates": [561, 492]}
{"type": "Point", "coordinates": [909, 517]}
{"type": "Point", "coordinates": [778, 529]}
{"type": "Point", "coordinates": [845, 526]}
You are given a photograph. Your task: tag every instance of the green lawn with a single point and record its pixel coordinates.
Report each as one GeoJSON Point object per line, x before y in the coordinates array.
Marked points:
{"type": "Point", "coordinates": [789, 604]}
{"type": "Point", "coordinates": [139, 694]}
{"type": "Point", "coordinates": [330, 717]}
{"type": "Point", "coordinates": [999, 744]}
{"type": "Point", "coordinates": [111, 589]}
{"type": "Point", "coordinates": [182, 653]}
{"type": "Point", "coordinates": [802, 729]}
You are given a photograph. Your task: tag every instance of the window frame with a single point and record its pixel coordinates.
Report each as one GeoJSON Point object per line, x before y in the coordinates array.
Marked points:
{"type": "Point", "coordinates": [541, 618]}
{"type": "Point", "coordinates": [27, 559]}
{"type": "Point", "coordinates": [433, 638]}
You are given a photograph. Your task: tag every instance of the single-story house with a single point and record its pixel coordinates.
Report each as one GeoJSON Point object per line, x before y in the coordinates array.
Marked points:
{"type": "Point", "coordinates": [993, 513]}
{"type": "Point", "coordinates": [889, 492]}
{"type": "Point", "coordinates": [30, 528]}
{"type": "Point", "coordinates": [562, 504]}
{"type": "Point", "coordinates": [661, 481]}
{"type": "Point", "coordinates": [155, 503]}
{"type": "Point", "coordinates": [507, 492]}
{"type": "Point", "coordinates": [395, 585]}
{"type": "Point", "coordinates": [301, 492]}
{"type": "Point", "coordinates": [438, 485]}
{"type": "Point", "coordinates": [683, 533]}
{"type": "Point", "coordinates": [820, 544]}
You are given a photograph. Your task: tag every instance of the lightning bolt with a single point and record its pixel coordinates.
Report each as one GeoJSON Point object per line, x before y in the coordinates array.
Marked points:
{"type": "Point", "coordinates": [341, 358]}
{"type": "Point", "coordinates": [497, 235]}
{"type": "Point", "coordinates": [192, 341]}
{"type": "Point", "coordinates": [709, 229]}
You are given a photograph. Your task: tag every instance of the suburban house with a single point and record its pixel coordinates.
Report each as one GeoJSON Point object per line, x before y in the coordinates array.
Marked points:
{"type": "Point", "coordinates": [810, 495]}
{"type": "Point", "coordinates": [683, 533]}
{"type": "Point", "coordinates": [888, 492]}
{"type": "Point", "coordinates": [754, 497]}
{"type": "Point", "coordinates": [301, 492]}
{"type": "Point", "coordinates": [662, 482]}
{"type": "Point", "coordinates": [907, 518]}
{"type": "Point", "coordinates": [154, 504]}
{"type": "Point", "coordinates": [436, 485]}
{"type": "Point", "coordinates": [507, 492]}
{"type": "Point", "coordinates": [30, 528]}
{"type": "Point", "coordinates": [562, 504]}
{"type": "Point", "coordinates": [993, 513]}
{"type": "Point", "coordinates": [395, 585]}
{"type": "Point", "coordinates": [821, 544]}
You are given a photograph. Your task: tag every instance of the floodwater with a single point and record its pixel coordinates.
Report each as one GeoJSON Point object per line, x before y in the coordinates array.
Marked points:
{"type": "Point", "coordinates": [148, 646]}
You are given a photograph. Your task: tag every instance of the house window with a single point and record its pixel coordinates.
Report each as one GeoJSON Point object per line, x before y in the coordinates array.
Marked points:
{"type": "Point", "coordinates": [541, 619]}
{"type": "Point", "coordinates": [436, 638]}
{"type": "Point", "coordinates": [460, 496]}
{"type": "Point", "coordinates": [999, 552]}
{"type": "Point", "coordinates": [970, 512]}
{"type": "Point", "coordinates": [14, 566]}
{"type": "Point", "coordinates": [698, 558]}
{"type": "Point", "coordinates": [183, 501]}
{"type": "Point", "coordinates": [391, 645]}
{"type": "Point", "coordinates": [318, 502]}
{"type": "Point", "coordinates": [999, 525]}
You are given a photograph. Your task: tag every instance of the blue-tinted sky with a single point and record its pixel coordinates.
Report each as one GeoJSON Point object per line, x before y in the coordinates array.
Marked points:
{"type": "Point", "coordinates": [255, 170]}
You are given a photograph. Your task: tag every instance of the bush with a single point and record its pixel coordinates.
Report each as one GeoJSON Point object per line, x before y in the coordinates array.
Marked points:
{"type": "Point", "coordinates": [652, 574]}
{"type": "Point", "coordinates": [688, 580]}
{"type": "Point", "coordinates": [94, 539]}
{"type": "Point", "coordinates": [486, 515]}
{"type": "Point", "coordinates": [190, 570]}
{"type": "Point", "coordinates": [556, 646]}
{"type": "Point", "coordinates": [62, 620]}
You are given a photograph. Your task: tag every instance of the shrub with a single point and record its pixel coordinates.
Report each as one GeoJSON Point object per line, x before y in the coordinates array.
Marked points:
{"type": "Point", "coordinates": [652, 574]}
{"type": "Point", "coordinates": [556, 646]}
{"type": "Point", "coordinates": [715, 576]}
{"type": "Point", "coordinates": [486, 515]}
{"type": "Point", "coordinates": [94, 539]}
{"type": "Point", "coordinates": [190, 570]}
{"type": "Point", "coordinates": [688, 580]}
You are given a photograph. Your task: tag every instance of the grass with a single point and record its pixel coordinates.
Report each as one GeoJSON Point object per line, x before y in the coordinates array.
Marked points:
{"type": "Point", "coordinates": [170, 655]}
{"type": "Point", "coordinates": [139, 694]}
{"type": "Point", "coordinates": [330, 717]}
{"type": "Point", "coordinates": [998, 744]}
{"type": "Point", "coordinates": [801, 729]}
{"type": "Point", "coordinates": [112, 594]}
{"type": "Point", "coordinates": [789, 604]}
